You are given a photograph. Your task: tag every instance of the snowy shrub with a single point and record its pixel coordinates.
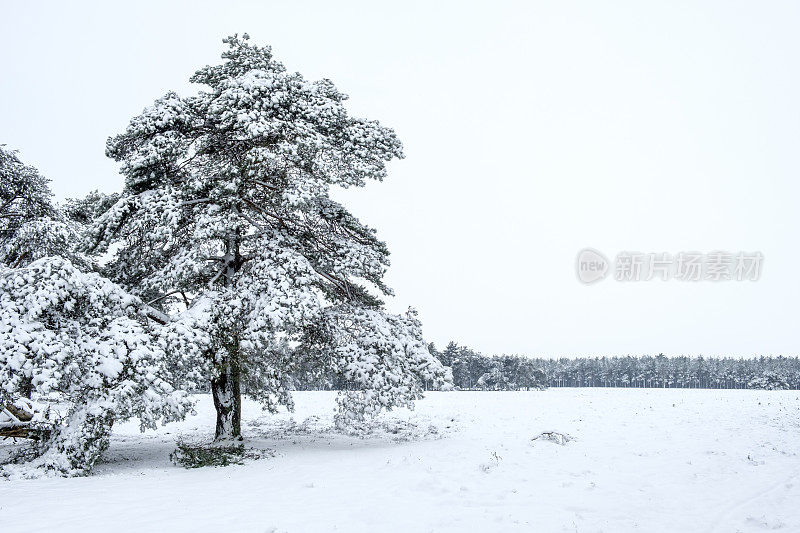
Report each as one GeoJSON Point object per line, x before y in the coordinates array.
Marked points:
{"type": "Point", "coordinates": [197, 456]}
{"type": "Point", "coordinates": [384, 360]}
{"type": "Point", "coordinates": [494, 462]}
{"type": "Point", "coordinates": [190, 455]}
{"type": "Point", "coordinates": [87, 341]}
{"type": "Point", "coordinates": [45, 237]}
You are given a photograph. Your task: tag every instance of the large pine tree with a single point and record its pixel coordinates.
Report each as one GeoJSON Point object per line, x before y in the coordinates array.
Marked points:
{"type": "Point", "coordinates": [226, 217]}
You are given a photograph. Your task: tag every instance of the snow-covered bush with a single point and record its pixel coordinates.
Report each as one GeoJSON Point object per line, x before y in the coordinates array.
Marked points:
{"type": "Point", "coordinates": [83, 339]}
{"type": "Point", "coordinates": [47, 237]}
{"type": "Point", "coordinates": [384, 360]}
{"type": "Point", "coordinates": [198, 455]}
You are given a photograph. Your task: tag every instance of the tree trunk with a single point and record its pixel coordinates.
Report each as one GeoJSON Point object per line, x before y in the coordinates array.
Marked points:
{"type": "Point", "coordinates": [26, 388]}
{"type": "Point", "coordinates": [227, 393]}
{"type": "Point", "coordinates": [227, 387]}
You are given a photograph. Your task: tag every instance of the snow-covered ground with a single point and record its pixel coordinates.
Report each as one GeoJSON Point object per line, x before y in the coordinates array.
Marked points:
{"type": "Point", "coordinates": [641, 460]}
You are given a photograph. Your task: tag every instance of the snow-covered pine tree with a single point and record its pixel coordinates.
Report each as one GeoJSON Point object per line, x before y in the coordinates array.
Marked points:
{"type": "Point", "coordinates": [493, 378]}
{"type": "Point", "coordinates": [24, 198]}
{"type": "Point", "coordinates": [84, 211]}
{"type": "Point", "coordinates": [450, 354]}
{"type": "Point", "coordinates": [84, 339]}
{"type": "Point", "coordinates": [769, 380]}
{"type": "Point", "coordinates": [226, 211]}
{"type": "Point", "coordinates": [31, 226]}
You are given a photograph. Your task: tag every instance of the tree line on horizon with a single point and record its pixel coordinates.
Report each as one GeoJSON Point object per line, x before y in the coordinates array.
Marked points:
{"type": "Point", "coordinates": [475, 371]}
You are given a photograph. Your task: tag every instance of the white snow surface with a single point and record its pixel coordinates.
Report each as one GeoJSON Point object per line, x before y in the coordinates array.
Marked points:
{"type": "Point", "coordinates": [648, 460]}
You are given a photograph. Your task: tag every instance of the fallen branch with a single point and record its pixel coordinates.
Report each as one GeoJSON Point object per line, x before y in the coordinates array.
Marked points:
{"type": "Point", "coordinates": [24, 432]}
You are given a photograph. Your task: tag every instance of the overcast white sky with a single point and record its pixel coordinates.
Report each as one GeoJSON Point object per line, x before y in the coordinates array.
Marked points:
{"type": "Point", "coordinates": [531, 130]}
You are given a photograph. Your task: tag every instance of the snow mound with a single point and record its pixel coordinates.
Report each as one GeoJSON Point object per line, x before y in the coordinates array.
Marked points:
{"type": "Point", "coordinates": [554, 436]}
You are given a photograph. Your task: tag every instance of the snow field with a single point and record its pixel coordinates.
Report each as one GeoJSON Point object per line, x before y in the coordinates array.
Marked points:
{"type": "Point", "coordinates": [647, 460]}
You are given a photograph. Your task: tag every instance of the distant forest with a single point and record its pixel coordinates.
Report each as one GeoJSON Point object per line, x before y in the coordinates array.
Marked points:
{"type": "Point", "coordinates": [473, 371]}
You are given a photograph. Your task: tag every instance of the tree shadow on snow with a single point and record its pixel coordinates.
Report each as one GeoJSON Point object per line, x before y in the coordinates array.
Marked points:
{"type": "Point", "coordinates": [267, 437]}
